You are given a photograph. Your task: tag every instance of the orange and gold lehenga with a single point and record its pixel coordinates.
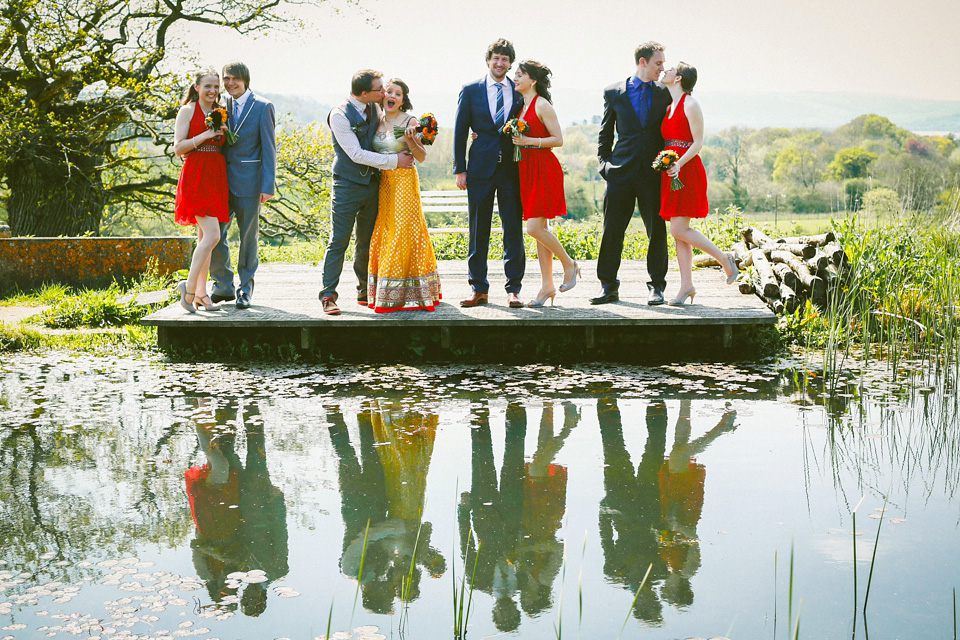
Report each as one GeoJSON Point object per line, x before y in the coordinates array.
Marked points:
{"type": "Point", "coordinates": [403, 269]}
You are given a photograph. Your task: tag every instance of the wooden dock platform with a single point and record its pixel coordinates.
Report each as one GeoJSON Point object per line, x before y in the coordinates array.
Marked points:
{"type": "Point", "coordinates": [286, 306]}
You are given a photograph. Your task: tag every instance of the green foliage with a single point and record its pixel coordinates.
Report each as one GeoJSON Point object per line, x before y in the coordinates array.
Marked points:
{"type": "Point", "coordinates": [93, 308]}
{"type": "Point", "coordinates": [881, 201]}
{"type": "Point", "coordinates": [854, 190]}
{"type": "Point", "coordinates": [853, 162]}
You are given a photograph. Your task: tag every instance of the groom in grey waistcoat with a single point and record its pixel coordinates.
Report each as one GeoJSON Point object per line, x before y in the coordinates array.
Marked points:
{"type": "Point", "coordinates": [251, 173]}
{"type": "Point", "coordinates": [356, 181]}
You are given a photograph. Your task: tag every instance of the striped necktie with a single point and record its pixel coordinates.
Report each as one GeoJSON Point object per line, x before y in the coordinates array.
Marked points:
{"type": "Point", "coordinates": [499, 119]}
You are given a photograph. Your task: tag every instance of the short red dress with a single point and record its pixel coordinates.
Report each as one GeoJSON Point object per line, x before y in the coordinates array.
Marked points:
{"type": "Point", "coordinates": [202, 188]}
{"type": "Point", "coordinates": [541, 176]}
{"type": "Point", "coordinates": [691, 200]}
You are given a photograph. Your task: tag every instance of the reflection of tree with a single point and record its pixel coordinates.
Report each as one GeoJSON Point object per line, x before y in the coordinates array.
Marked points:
{"type": "Point", "coordinates": [516, 520]}
{"type": "Point", "coordinates": [386, 487]}
{"type": "Point", "coordinates": [649, 516]}
{"type": "Point", "coordinates": [239, 514]}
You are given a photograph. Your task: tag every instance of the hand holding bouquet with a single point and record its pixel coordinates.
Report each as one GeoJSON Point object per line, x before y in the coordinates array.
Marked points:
{"type": "Point", "coordinates": [426, 129]}
{"type": "Point", "coordinates": [663, 162]}
{"type": "Point", "coordinates": [515, 127]}
{"type": "Point", "coordinates": [217, 120]}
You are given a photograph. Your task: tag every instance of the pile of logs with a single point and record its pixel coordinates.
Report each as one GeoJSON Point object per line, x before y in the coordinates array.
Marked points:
{"type": "Point", "coordinates": [788, 271]}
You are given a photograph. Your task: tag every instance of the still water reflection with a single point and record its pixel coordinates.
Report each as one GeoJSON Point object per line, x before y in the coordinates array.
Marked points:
{"type": "Point", "coordinates": [154, 500]}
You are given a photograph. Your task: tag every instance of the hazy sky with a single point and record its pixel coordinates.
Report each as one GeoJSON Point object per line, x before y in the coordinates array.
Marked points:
{"type": "Point", "coordinates": [864, 46]}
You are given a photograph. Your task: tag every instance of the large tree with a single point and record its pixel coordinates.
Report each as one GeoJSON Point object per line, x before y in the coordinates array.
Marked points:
{"type": "Point", "coordinates": [87, 101]}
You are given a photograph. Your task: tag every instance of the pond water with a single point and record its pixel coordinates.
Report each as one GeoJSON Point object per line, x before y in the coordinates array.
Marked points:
{"type": "Point", "coordinates": [144, 499]}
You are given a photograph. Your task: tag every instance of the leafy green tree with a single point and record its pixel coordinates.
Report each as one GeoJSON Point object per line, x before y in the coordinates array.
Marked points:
{"type": "Point", "coordinates": [853, 162]}
{"type": "Point", "coordinates": [796, 164]}
{"type": "Point", "coordinates": [88, 102]}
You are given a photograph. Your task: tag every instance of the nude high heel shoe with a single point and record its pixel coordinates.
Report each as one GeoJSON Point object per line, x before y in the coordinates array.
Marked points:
{"type": "Point", "coordinates": [733, 265]}
{"type": "Point", "coordinates": [566, 286]}
{"type": "Point", "coordinates": [683, 295]}
{"type": "Point", "coordinates": [212, 306]}
{"type": "Point", "coordinates": [539, 302]}
{"type": "Point", "coordinates": [182, 290]}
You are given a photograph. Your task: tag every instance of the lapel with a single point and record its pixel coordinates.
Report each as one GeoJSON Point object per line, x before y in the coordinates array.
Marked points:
{"type": "Point", "coordinates": [517, 100]}
{"type": "Point", "coordinates": [243, 114]}
{"type": "Point", "coordinates": [623, 100]}
{"type": "Point", "coordinates": [483, 102]}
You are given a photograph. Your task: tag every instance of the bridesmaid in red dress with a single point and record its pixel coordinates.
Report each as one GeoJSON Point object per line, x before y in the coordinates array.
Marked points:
{"type": "Point", "coordinates": [682, 130]}
{"type": "Point", "coordinates": [202, 188]}
{"type": "Point", "coordinates": [541, 177]}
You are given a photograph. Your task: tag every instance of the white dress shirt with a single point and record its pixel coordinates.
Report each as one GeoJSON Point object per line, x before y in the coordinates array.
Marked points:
{"type": "Point", "coordinates": [348, 141]}
{"type": "Point", "coordinates": [492, 98]}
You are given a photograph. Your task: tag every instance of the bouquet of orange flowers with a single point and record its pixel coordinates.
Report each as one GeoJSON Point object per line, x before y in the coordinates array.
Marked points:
{"type": "Point", "coordinates": [426, 129]}
{"type": "Point", "coordinates": [664, 160]}
{"type": "Point", "coordinates": [216, 119]}
{"type": "Point", "coordinates": [515, 127]}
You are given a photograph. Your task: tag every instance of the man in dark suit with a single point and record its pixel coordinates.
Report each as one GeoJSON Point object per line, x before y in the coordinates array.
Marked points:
{"type": "Point", "coordinates": [633, 109]}
{"type": "Point", "coordinates": [484, 106]}
{"type": "Point", "coordinates": [251, 173]}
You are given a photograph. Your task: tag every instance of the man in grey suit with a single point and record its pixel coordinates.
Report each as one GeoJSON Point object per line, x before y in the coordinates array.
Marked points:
{"type": "Point", "coordinates": [251, 174]}
{"type": "Point", "coordinates": [356, 181]}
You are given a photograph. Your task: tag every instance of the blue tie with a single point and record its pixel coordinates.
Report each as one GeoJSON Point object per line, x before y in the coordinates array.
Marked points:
{"type": "Point", "coordinates": [645, 96]}
{"type": "Point", "coordinates": [499, 119]}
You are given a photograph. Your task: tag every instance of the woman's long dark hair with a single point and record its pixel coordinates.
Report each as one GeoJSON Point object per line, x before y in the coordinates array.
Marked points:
{"type": "Point", "coordinates": [541, 74]}
{"type": "Point", "coordinates": [190, 93]}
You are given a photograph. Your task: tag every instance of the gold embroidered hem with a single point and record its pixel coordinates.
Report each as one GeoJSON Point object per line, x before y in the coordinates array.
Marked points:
{"type": "Point", "coordinates": [403, 268]}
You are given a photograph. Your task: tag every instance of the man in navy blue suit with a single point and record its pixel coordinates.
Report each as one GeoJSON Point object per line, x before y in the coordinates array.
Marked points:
{"type": "Point", "coordinates": [484, 106]}
{"type": "Point", "coordinates": [632, 112]}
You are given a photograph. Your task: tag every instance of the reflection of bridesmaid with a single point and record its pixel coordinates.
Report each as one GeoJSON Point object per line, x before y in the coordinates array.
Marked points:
{"type": "Point", "coordinates": [387, 491]}
{"type": "Point", "coordinates": [239, 514]}
{"type": "Point", "coordinates": [630, 510]}
{"type": "Point", "coordinates": [681, 480]}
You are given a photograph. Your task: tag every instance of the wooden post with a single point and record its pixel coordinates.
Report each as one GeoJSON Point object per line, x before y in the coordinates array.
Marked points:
{"type": "Point", "coordinates": [306, 338]}
{"type": "Point", "coordinates": [590, 339]}
{"type": "Point", "coordinates": [445, 339]}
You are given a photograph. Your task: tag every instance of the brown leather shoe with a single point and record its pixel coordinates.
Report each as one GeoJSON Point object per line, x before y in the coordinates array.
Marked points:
{"type": "Point", "coordinates": [475, 300]}
{"type": "Point", "coordinates": [513, 301]}
{"type": "Point", "coordinates": [330, 305]}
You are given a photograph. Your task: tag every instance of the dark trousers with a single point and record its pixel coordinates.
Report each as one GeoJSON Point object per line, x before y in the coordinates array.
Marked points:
{"type": "Point", "coordinates": [505, 185]}
{"type": "Point", "coordinates": [618, 204]}
{"type": "Point", "coordinates": [352, 205]}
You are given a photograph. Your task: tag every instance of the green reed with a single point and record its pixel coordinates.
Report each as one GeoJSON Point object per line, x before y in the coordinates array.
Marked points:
{"type": "Point", "coordinates": [406, 584]}
{"type": "Point", "coordinates": [363, 557]}
{"type": "Point", "coordinates": [635, 598]}
{"type": "Point", "coordinates": [463, 601]}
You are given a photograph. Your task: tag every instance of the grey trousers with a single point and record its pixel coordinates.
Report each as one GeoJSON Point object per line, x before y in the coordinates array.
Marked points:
{"type": "Point", "coordinates": [353, 204]}
{"type": "Point", "coordinates": [246, 211]}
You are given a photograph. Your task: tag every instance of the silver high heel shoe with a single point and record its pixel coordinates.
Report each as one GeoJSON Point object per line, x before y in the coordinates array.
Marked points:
{"type": "Point", "coordinates": [733, 265]}
{"type": "Point", "coordinates": [679, 300]}
{"type": "Point", "coordinates": [576, 274]}
{"type": "Point", "coordinates": [213, 306]}
{"type": "Point", "coordinates": [539, 302]}
{"type": "Point", "coordinates": [182, 290]}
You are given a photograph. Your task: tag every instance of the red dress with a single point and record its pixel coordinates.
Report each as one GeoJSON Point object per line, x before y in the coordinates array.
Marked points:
{"type": "Point", "coordinates": [202, 188]}
{"type": "Point", "coordinates": [541, 176]}
{"type": "Point", "coordinates": [691, 200]}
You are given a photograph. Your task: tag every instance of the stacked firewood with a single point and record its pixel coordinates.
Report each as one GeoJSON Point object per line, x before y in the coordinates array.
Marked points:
{"type": "Point", "coordinates": [788, 271]}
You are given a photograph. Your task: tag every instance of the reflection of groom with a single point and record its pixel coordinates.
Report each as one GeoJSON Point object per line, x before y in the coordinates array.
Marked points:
{"type": "Point", "coordinates": [356, 179]}
{"type": "Point", "coordinates": [485, 106]}
{"type": "Point", "coordinates": [634, 109]}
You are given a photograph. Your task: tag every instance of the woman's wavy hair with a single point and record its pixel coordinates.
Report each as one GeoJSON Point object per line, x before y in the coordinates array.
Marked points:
{"type": "Point", "coordinates": [190, 93]}
{"type": "Point", "coordinates": [541, 74]}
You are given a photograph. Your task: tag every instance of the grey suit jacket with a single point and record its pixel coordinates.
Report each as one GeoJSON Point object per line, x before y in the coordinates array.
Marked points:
{"type": "Point", "coordinates": [252, 160]}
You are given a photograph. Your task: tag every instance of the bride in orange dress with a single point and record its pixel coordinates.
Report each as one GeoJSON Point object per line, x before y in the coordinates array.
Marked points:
{"type": "Point", "coordinates": [402, 268]}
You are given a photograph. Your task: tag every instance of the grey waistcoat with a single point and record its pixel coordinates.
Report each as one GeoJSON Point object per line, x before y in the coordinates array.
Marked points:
{"type": "Point", "coordinates": [343, 166]}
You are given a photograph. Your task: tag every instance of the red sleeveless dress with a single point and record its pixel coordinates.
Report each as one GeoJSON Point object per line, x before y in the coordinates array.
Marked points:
{"type": "Point", "coordinates": [541, 176]}
{"type": "Point", "coordinates": [691, 200]}
{"type": "Point", "coordinates": [202, 188]}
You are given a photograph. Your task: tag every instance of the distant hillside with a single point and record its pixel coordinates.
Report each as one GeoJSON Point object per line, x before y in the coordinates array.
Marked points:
{"type": "Point", "coordinates": [722, 109]}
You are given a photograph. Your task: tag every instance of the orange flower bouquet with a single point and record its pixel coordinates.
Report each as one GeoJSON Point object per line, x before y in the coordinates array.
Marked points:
{"type": "Point", "coordinates": [216, 119]}
{"type": "Point", "coordinates": [515, 127]}
{"type": "Point", "coordinates": [664, 160]}
{"type": "Point", "coordinates": [426, 129]}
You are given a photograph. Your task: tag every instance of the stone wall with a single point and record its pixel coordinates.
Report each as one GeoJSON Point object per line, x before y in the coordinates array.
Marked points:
{"type": "Point", "coordinates": [30, 262]}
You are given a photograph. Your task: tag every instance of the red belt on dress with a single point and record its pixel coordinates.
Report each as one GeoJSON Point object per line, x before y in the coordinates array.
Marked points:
{"type": "Point", "coordinates": [683, 144]}
{"type": "Point", "coordinates": [208, 147]}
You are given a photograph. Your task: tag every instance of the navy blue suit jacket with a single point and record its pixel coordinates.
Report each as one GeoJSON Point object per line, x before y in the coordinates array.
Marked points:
{"type": "Point", "coordinates": [473, 112]}
{"type": "Point", "coordinates": [636, 145]}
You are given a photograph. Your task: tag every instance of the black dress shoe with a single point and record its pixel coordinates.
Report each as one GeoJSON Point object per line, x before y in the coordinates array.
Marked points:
{"type": "Point", "coordinates": [606, 298]}
{"type": "Point", "coordinates": [243, 300]}
{"type": "Point", "coordinates": [221, 297]}
{"type": "Point", "coordinates": [655, 297]}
